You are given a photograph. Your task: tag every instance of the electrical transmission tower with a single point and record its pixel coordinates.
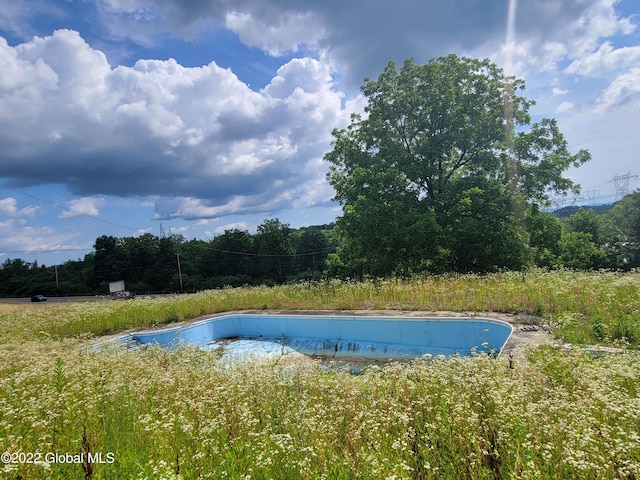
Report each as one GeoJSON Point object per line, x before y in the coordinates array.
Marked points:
{"type": "Point", "coordinates": [575, 199]}
{"type": "Point", "coordinates": [591, 195]}
{"type": "Point", "coordinates": [621, 183]}
{"type": "Point", "coordinates": [558, 203]}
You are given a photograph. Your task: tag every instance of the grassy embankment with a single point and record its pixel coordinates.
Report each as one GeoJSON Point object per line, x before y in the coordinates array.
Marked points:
{"type": "Point", "coordinates": [181, 414]}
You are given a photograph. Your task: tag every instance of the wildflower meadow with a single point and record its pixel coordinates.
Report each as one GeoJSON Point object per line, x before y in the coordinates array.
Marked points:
{"type": "Point", "coordinates": [70, 411]}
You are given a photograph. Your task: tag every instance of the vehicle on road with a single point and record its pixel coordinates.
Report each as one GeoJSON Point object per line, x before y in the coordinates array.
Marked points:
{"type": "Point", "coordinates": [38, 298]}
{"type": "Point", "coordinates": [117, 291]}
{"type": "Point", "coordinates": [122, 295]}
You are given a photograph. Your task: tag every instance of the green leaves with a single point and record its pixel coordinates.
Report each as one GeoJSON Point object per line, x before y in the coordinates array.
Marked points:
{"type": "Point", "coordinates": [541, 156]}
{"type": "Point", "coordinates": [439, 142]}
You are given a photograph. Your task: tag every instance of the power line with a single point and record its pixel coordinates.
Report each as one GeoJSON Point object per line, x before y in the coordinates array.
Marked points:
{"type": "Point", "coordinates": [162, 233]}
{"type": "Point", "coordinates": [593, 197]}
{"type": "Point", "coordinates": [35, 252]}
{"type": "Point", "coordinates": [247, 254]}
{"type": "Point", "coordinates": [252, 254]}
{"type": "Point", "coordinates": [57, 205]}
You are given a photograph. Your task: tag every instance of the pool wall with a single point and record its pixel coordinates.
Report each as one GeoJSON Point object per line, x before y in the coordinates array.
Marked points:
{"type": "Point", "coordinates": [367, 337]}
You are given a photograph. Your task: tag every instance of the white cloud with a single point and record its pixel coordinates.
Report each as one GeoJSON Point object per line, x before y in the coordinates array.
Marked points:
{"type": "Point", "coordinates": [20, 238]}
{"type": "Point", "coordinates": [604, 60]}
{"type": "Point", "coordinates": [192, 208]}
{"type": "Point", "coordinates": [205, 144]}
{"type": "Point", "coordinates": [231, 226]}
{"type": "Point", "coordinates": [549, 34]}
{"type": "Point", "coordinates": [85, 206]}
{"type": "Point", "coordinates": [362, 38]}
{"type": "Point", "coordinates": [564, 107]}
{"type": "Point", "coordinates": [607, 127]}
{"type": "Point", "coordinates": [161, 129]}
{"type": "Point", "coordinates": [286, 34]}
{"type": "Point", "coordinates": [306, 74]}
{"type": "Point", "coordinates": [623, 92]}
{"type": "Point", "coordinates": [9, 207]}
{"type": "Point", "coordinates": [127, 6]}
{"type": "Point", "coordinates": [16, 16]}
{"type": "Point", "coordinates": [598, 19]}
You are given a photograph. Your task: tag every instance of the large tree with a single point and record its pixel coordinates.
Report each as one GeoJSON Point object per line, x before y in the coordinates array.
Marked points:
{"type": "Point", "coordinates": [440, 171]}
{"type": "Point", "coordinates": [275, 249]}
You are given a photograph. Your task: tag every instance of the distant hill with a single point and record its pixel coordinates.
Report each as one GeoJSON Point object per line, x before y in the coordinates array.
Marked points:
{"type": "Point", "coordinates": [565, 212]}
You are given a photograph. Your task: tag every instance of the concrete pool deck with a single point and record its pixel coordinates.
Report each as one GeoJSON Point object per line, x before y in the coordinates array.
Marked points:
{"type": "Point", "coordinates": [527, 330]}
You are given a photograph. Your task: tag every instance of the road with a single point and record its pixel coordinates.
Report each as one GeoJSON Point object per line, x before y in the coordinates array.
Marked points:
{"type": "Point", "coordinates": [76, 298]}
{"type": "Point", "coordinates": [86, 298]}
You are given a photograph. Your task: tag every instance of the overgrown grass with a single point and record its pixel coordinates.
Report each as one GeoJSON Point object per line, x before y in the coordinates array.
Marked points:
{"type": "Point", "coordinates": [585, 307]}
{"type": "Point", "coordinates": [183, 414]}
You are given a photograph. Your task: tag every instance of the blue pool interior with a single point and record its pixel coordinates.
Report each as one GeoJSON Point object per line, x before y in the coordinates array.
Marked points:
{"type": "Point", "coordinates": [363, 337]}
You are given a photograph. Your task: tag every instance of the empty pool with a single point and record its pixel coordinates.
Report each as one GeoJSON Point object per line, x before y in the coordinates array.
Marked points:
{"type": "Point", "coordinates": [341, 336]}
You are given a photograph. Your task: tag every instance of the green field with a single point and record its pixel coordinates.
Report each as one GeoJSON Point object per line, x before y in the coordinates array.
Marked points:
{"type": "Point", "coordinates": [152, 413]}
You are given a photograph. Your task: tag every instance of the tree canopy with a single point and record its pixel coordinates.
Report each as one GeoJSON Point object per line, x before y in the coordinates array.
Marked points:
{"type": "Point", "coordinates": [442, 169]}
{"type": "Point", "coordinates": [275, 254]}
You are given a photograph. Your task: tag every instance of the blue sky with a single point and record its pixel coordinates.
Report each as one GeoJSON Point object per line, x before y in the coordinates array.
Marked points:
{"type": "Point", "coordinates": [117, 116]}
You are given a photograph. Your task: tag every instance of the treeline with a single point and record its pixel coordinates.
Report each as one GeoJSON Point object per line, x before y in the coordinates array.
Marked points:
{"type": "Point", "coordinates": [585, 240]}
{"type": "Point", "coordinates": [588, 240]}
{"type": "Point", "coordinates": [151, 264]}
{"type": "Point", "coordinates": [278, 254]}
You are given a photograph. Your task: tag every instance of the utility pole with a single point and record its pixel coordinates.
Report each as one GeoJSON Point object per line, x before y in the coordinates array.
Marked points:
{"type": "Point", "coordinates": [55, 267]}
{"type": "Point", "coordinates": [179, 272]}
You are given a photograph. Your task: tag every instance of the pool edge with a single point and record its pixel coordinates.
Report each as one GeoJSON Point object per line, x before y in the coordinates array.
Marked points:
{"type": "Point", "coordinates": [416, 315]}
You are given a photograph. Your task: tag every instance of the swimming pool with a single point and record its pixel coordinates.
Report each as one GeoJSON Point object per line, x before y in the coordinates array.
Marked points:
{"type": "Point", "coordinates": [342, 336]}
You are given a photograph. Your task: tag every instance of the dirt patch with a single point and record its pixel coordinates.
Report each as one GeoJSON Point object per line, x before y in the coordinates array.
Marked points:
{"type": "Point", "coordinates": [528, 332]}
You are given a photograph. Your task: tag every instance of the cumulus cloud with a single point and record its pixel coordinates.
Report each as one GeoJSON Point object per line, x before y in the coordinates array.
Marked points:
{"type": "Point", "coordinates": [289, 32]}
{"type": "Point", "coordinates": [9, 207]}
{"type": "Point", "coordinates": [604, 60]}
{"type": "Point", "coordinates": [361, 39]}
{"type": "Point", "coordinates": [197, 137]}
{"type": "Point", "coordinates": [232, 226]}
{"type": "Point", "coordinates": [85, 206]}
{"type": "Point", "coordinates": [550, 34]}
{"type": "Point", "coordinates": [21, 238]}
{"type": "Point", "coordinates": [204, 144]}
